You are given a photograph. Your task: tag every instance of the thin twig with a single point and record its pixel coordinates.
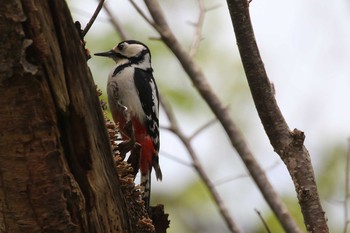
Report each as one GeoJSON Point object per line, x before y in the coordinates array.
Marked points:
{"type": "Point", "coordinates": [237, 140]}
{"type": "Point", "coordinates": [232, 178]}
{"type": "Point", "coordinates": [94, 16]}
{"type": "Point", "coordinates": [198, 167]}
{"type": "Point", "coordinates": [199, 27]}
{"type": "Point", "coordinates": [115, 22]}
{"type": "Point", "coordinates": [212, 7]}
{"type": "Point", "coordinates": [144, 16]}
{"type": "Point", "coordinates": [175, 158]}
{"type": "Point", "coordinates": [263, 220]}
{"type": "Point", "coordinates": [347, 190]}
{"type": "Point", "coordinates": [198, 32]}
{"type": "Point", "coordinates": [86, 14]}
{"type": "Point", "coordinates": [165, 127]}
{"type": "Point", "coordinates": [200, 129]}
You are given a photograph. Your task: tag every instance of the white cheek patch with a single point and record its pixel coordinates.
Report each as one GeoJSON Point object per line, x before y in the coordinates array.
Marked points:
{"type": "Point", "coordinates": [133, 49]}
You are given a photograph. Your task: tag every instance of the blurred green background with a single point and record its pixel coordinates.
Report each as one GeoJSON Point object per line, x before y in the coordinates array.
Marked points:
{"type": "Point", "coordinates": [305, 46]}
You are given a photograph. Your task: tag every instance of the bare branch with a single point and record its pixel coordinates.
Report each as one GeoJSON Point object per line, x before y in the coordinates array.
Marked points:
{"type": "Point", "coordinates": [212, 7]}
{"type": "Point", "coordinates": [203, 127]}
{"type": "Point", "coordinates": [198, 167]}
{"type": "Point", "coordinates": [236, 138]}
{"type": "Point", "coordinates": [263, 221]}
{"type": "Point", "coordinates": [232, 178]}
{"type": "Point", "coordinates": [176, 159]}
{"type": "Point", "coordinates": [138, 9]}
{"type": "Point", "coordinates": [86, 14]}
{"type": "Point", "coordinates": [155, 38]}
{"type": "Point", "coordinates": [165, 128]}
{"type": "Point", "coordinates": [115, 22]}
{"type": "Point", "coordinates": [289, 145]}
{"type": "Point", "coordinates": [198, 32]}
{"type": "Point", "coordinates": [94, 16]}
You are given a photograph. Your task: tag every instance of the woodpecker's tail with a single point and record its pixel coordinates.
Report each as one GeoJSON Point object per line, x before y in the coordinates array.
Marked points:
{"type": "Point", "coordinates": [146, 188]}
{"type": "Point", "coordinates": [155, 165]}
{"type": "Point", "coordinates": [146, 180]}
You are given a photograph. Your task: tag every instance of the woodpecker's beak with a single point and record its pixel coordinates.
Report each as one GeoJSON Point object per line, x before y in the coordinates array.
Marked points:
{"type": "Point", "coordinates": [109, 53]}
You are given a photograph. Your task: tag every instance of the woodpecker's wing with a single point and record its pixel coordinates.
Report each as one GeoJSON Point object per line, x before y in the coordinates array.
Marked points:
{"type": "Point", "coordinates": [148, 94]}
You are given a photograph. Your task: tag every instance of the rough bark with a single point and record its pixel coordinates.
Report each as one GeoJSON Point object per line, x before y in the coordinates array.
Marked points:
{"type": "Point", "coordinates": [57, 172]}
{"type": "Point", "coordinates": [289, 145]}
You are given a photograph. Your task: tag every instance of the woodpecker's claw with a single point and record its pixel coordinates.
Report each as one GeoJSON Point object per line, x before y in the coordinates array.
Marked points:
{"type": "Point", "coordinates": [132, 146]}
{"type": "Point", "coordinates": [127, 145]}
{"type": "Point", "coordinates": [124, 147]}
{"type": "Point", "coordinates": [129, 130]}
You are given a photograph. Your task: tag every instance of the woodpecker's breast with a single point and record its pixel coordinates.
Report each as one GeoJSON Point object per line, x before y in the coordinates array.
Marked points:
{"type": "Point", "coordinates": [121, 90]}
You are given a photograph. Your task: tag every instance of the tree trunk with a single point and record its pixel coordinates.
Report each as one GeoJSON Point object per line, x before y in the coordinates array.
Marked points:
{"type": "Point", "coordinates": [57, 172]}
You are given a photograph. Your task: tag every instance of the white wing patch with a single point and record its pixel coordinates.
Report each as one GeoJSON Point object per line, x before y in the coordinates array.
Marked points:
{"type": "Point", "coordinates": [155, 99]}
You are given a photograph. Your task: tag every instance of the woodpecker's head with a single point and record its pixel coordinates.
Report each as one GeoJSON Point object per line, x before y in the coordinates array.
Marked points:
{"type": "Point", "coordinates": [129, 52]}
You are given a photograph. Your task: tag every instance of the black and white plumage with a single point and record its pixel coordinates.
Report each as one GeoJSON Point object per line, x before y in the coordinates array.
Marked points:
{"type": "Point", "coordinates": [133, 97]}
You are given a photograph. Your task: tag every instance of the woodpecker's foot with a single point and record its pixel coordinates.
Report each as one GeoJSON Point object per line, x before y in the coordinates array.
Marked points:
{"type": "Point", "coordinates": [124, 147]}
{"type": "Point", "coordinates": [129, 130]}
{"type": "Point", "coordinates": [128, 144]}
{"type": "Point", "coordinates": [134, 158]}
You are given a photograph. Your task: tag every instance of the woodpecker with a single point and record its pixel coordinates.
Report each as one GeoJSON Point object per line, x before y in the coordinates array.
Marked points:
{"type": "Point", "coordinates": [134, 103]}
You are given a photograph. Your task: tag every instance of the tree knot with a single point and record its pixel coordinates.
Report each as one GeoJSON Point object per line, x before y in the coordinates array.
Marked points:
{"type": "Point", "coordinates": [298, 138]}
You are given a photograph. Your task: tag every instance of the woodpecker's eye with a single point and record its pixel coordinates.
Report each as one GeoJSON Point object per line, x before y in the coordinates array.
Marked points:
{"type": "Point", "coordinates": [121, 46]}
